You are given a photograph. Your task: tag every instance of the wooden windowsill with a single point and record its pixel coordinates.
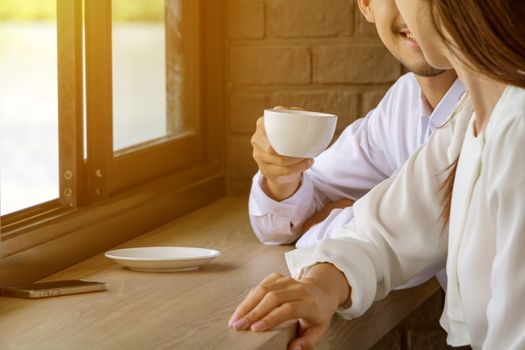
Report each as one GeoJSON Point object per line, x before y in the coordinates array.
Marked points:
{"type": "Point", "coordinates": [185, 310]}
{"type": "Point", "coordinates": [57, 243]}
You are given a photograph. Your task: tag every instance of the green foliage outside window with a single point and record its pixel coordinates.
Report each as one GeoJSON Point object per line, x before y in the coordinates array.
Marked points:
{"type": "Point", "coordinates": [25, 10]}
{"type": "Point", "coordinates": [45, 10]}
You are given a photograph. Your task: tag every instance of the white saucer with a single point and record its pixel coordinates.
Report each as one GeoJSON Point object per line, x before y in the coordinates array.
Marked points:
{"type": "Point", "coordinates": [162, 259]}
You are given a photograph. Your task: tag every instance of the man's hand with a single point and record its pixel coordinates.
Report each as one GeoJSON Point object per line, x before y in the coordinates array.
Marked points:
{"type": "Point", "coordinates": [282, 174]}
{"type": "Point", "coordinates": [277, 299]}
{"type": "Point", "coordinates": [323, 213]}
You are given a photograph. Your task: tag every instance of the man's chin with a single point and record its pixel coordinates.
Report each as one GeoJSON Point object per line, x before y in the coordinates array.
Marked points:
{"type": "Point", "coordinates": [424, 70]}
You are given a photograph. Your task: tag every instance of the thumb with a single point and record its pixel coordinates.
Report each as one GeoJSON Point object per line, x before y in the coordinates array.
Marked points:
{"type": "Point", "coordinates": [309, 338]}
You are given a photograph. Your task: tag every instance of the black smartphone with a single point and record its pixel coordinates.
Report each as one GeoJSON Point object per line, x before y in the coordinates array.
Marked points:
{"type": "Point", "coordinates": [54, 289]}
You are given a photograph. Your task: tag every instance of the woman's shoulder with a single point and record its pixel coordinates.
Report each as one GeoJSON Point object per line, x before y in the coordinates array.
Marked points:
{"type": "Point", "coordinates": [505, 133]}
{"type": "Point", "coordinates": [509, 113]}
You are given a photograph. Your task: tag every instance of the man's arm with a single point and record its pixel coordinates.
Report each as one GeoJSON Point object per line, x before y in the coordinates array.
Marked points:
{"type": "Point", "coordinates": [348, 169]}
{"type": "Point", "coordinates": [361, 158]}
{"type": "Point", "coordinates": [322, 214]}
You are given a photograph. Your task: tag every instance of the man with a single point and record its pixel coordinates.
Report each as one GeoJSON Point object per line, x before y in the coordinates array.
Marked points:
{"type": "Point", "coordinates": [289, 193]}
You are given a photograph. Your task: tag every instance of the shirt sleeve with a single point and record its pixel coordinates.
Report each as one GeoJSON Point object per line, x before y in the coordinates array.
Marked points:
{"type": "Point", "coordinates": [506, 309]}
{"type": "Point", "coordinates": [397, 231]}
{"type": "Point", "coordinates": [327, 228]}
{"type": "Point", "coordinates": [277, 222]}
{"type": "Point", "coordinates": [348, 169]}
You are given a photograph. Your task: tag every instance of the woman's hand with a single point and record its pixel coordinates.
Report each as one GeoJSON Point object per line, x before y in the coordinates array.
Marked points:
{"type": "Point", "coordinates": [312, 300]}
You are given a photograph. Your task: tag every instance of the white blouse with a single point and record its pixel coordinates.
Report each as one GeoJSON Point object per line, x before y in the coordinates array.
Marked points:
{"type": "Point", "coordinates": [397, 230]}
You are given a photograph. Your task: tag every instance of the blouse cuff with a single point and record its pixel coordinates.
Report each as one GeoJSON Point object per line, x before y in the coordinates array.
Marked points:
{"type": "Point", "coordinates": [350, 258]}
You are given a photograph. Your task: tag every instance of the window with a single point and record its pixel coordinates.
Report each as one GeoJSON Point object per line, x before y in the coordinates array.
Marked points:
{"type": "Point", "coordinates": [29, 106]}
{"type": "Point", "coordinates": [139, 39]}
{"type": "Point", "coordinates": [118, 96]}
{"type": "Point", "coordinates": [126, 106]}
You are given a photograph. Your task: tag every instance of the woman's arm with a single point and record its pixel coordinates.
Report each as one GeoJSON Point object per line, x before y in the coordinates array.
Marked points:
{"type": "Point", "coordinates": [506, 309]}
{"type": "Point", "coordinates": [397, 231]}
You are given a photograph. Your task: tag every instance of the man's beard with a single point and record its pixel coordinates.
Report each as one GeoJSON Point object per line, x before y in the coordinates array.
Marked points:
{"type": "Point", "coordinates": [423, 70]}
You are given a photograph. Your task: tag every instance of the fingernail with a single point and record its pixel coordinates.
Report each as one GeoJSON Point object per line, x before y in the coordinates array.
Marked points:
{"type": "Point", "coordinates": [240, 325]}
{"type": "Point", "coordinates": [298, 347]}
{"type": "Point", "coordinates": [259, 326]}
{"type": "Point", "coordinates": [232, 320]}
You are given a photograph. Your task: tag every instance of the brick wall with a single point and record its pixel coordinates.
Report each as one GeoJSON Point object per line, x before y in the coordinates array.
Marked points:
{"type": "Point", "coordinates": [317, 54]}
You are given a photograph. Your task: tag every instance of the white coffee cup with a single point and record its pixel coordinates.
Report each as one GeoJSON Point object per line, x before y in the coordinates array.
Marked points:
{"type": "Point", "coordinates": [299, 134]}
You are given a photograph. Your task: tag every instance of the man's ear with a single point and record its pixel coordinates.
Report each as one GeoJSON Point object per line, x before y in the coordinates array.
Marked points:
{"type": "Point", "coordinates": [366, 9]}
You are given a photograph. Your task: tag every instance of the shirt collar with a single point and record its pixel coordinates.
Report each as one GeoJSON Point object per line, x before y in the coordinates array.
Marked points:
{"type": "Point", "coordinates": [444, 108]}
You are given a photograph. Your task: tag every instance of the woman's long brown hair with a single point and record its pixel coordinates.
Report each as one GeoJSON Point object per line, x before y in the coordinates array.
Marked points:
{"type": "Point", "coordinates": [488, 36]}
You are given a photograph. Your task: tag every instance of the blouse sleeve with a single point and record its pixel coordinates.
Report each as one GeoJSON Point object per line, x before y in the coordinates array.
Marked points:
{"type": "Point", "coordinates": [506, 198]}
{"type": "Point", "coordinates": [397, 231]}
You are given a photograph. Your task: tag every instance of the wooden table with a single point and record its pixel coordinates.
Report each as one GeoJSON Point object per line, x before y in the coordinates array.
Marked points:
{"type": "Point", "coordinates": [184, 310]}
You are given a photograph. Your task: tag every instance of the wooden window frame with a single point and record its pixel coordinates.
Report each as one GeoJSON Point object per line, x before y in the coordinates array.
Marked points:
{"type": "Point", "coordinates": [107, 174]}
{"type": "Point", "coordinates": [70, 128]}
{"type": "Point", "coordinates": [48, 237]}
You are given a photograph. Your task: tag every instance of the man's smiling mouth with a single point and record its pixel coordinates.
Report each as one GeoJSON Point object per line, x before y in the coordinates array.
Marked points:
{"type": "Point", "coordinates": [408, 35]}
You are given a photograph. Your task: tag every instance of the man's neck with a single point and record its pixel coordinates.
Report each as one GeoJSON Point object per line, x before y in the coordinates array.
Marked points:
{"type": "Point", "coordinates": [434, 88]}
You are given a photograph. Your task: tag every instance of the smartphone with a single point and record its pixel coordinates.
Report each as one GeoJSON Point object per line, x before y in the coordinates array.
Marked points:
{"type": "Point", "coordinates": [54, 289]}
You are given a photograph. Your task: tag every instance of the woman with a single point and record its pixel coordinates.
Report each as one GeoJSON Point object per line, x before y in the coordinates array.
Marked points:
{"type": "Point", "coordinates": [476, 162]}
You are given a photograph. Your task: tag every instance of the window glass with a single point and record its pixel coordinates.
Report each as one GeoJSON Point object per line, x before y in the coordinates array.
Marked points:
{"type": "Point", "coordinates": [28, 104]}
{"type": "Point", "coordinates": [139, 72]}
